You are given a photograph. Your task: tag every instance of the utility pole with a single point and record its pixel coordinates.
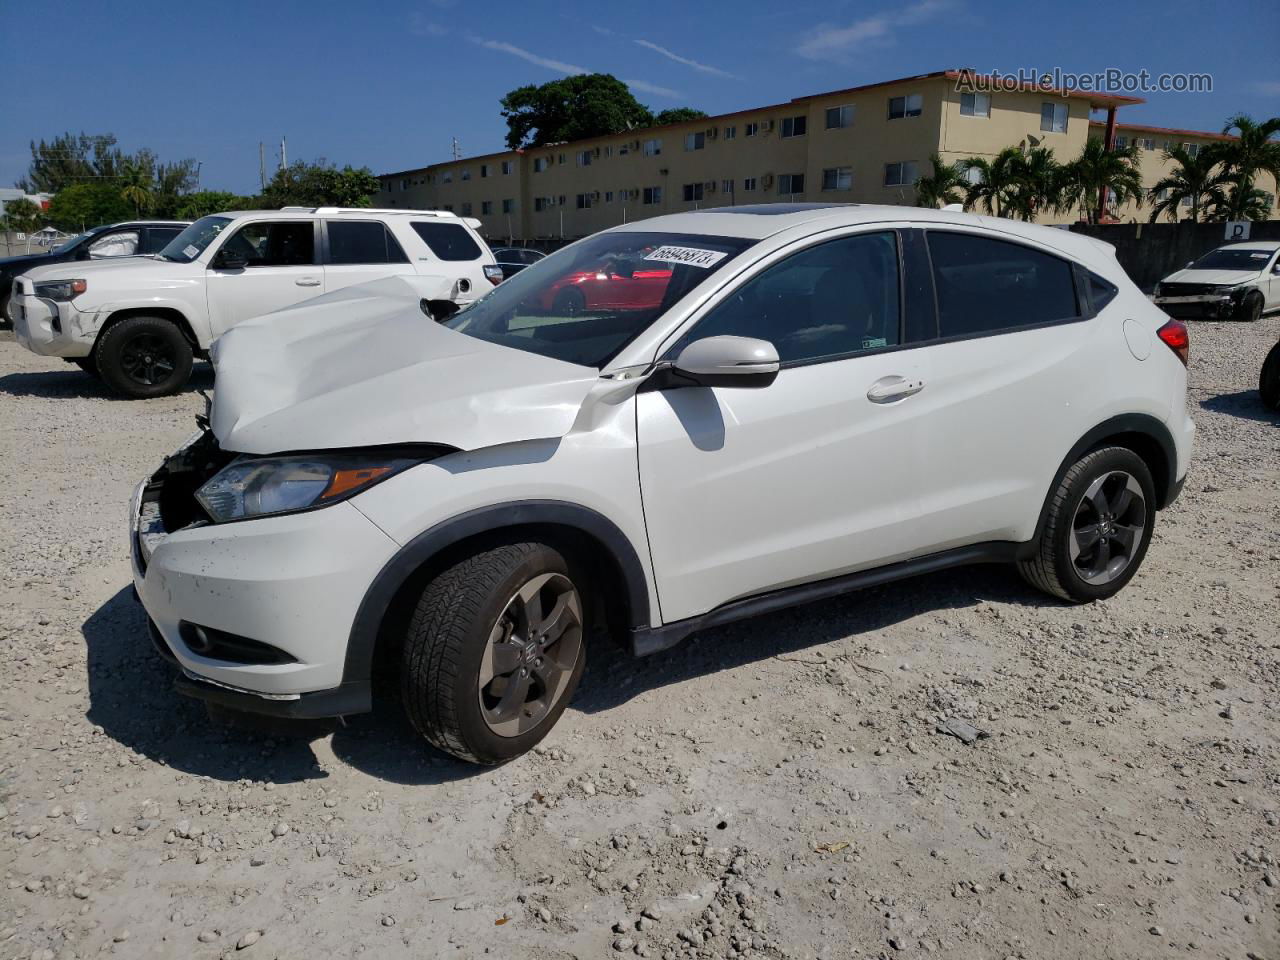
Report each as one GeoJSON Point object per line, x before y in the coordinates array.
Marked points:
{"type": "Point", "coordinates": [262, 167]}
{"type": "Point", "coordinates": [284, 155]}
{"type": "Point", "coordinates": [457, 150]}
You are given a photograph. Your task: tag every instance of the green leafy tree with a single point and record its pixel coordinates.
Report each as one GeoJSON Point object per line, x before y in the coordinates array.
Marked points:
{"type": "Point", "coordinates": [944, 186]}
{"type": "Point", "coordinates": [677, 115]}
{"type": "Point", "coordinates": [1039, 183]}
{"type": "Point", "coordinates": [1193, 179]}
{"type": "Point", "coordinates": [22, 215]}
{"type": "Point", "coordinates": [320, 184]}
{"type": "Point", "coordinates": [989, 183]}
{"type": "Point", "coordinates": [1255, 150]}
{"type": "Point", "coordinates": [70, 159]}
{"type": "Point", "coordinates": [1098, 168]}
{"type": "Point", "coordinates": [1240, 201]}
{"type": "Point", "coordinates": [193, 206]}
{"type": "Point", "coordinates": [137, 180]}
{"type": "Point", "coordinates": [173, 183]}
{"type": "Point", "coordinates": [572, 108]}
{"type": "Point", "coordinates": [84, 205]}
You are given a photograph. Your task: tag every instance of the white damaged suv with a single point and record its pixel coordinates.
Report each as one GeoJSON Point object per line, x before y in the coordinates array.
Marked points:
{"type": "Point", "coordinates": [140, 322]}
{"type": "Point", "coordinates": [670, 425]}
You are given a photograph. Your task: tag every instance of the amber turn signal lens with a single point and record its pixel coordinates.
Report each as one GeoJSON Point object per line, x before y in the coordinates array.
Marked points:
{"type": "Point", "coordinates": [346, 480]}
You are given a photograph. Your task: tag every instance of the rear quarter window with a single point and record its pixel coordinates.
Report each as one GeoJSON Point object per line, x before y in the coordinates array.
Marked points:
{"type": "Point", "coordinates": [448, 241]}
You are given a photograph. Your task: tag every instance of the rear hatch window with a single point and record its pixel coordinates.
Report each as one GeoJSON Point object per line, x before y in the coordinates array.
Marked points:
{"type": "Point", "coordinates": [448, 241]}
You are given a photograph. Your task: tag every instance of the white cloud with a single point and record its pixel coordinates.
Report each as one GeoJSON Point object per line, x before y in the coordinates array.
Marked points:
{"type": "Point", "coordinates": [701, 67]}
{"type": "Point", "coordinates": [422, 27]}
{"type": "Point", "coordinates": [832, 42]}
{"type": "Point", "coordinates": [603, 31]}
{"type": "Point", "coordinates": [645, 87]}
{"type": "Point", "coordinates": [559, 66]}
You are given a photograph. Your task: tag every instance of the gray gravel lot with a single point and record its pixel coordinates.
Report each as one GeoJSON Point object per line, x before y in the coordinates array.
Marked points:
{"type": "Point", "coordinates": [774, 789]}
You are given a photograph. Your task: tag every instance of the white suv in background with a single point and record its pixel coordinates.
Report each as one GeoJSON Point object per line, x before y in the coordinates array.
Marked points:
{"type": "Point", "coordinates": [139, 323]}
{"type": "Point", "coordinates": [736, 410]}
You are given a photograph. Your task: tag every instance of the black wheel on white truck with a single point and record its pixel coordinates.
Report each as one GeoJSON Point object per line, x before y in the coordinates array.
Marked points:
{"type": "Point", "coordinates": [141, 357]}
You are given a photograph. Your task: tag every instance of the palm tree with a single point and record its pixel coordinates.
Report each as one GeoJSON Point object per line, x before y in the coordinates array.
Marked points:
{"type": "Point", "coordinates": [989, 183]}
{"type": "Point", "coordinates": [942, 187]}
{"type": "Point", "coordinates": [1098, 169]}
{"type": "Point", "coordinates": [1194, 179]}
{"type": "Point", "coordinates": [1038, 183]}
{"type": "Point", "coordinates": [1254, 150]}
{"type": "Point", "coordinates": [136, 182]}
{"type": "Point", "coordinates": [1243, 201]}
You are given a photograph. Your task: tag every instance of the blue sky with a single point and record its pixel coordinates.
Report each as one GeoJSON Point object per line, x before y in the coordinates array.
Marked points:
{"type": "Point", "coordinates": [389, 84]}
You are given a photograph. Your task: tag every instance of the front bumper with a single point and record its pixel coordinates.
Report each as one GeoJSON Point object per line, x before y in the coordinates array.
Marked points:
{"type": "Point", "coordinates": [292, 582]}
{"type": "Point", "coordinates": [1201, 306]}
{"type": "Point", "coordinates": [50, 328]}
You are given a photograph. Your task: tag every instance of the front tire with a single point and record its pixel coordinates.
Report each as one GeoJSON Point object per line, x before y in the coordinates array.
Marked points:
{"type": "Point", "coordinates": [569, 302]}
{"type": "Point", "coordinates": [1097, 527]}
{"type": "Point", "coordinates": [89, 365]}
{"type": "Point", "coordinates": [1269, 380]}
{"type": "Point", "coordinates": [1251, 307]}
{"type": "Point", "coordinates": [494, 651]}
{"type": "Point", "coordinates": [144, 357]}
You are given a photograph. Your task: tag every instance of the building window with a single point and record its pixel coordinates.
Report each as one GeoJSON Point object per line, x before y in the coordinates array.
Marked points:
{"type": "Point", "coordinates": [909, 106]}
{"type": "Point", "coordinates": [748, 183]}
{"type": "Point", "coordinates": [584, 158]}
{"type": "Point", "coordinates": [446, 177]}
{"type": "Point", "coordinates": [975, 104]}
{"type": "Point", "coordinates": [973, 175]}
{"type": "Point", "coordinates": [794, 126]}
{"type": "Point", "coordinates": [1053, 117]}
{"type": "Point", "coordinates": [508, 206]}
{"type": "Point", "coordinates": [730, 133]}
{"type": "Point", "coordinates": [1122, 142]}
{"type": "Point", "coordinates": [539, 164]}
{"type": "Point", "coordinates": [838, 117]}
{"type": "Point", "coordinates": [1193, 149]}
{"type": "Point", "coordinates": [484, 170]}
{"type": "Point", "coordinates": [726, 186]}
{"type": "Point", "coordinates": [506, 168]}
{"type": "Point", "coordinates": [608, 196]}
{"type": "Point", "coordinates": [466, 209]}
{"type": "Point", "coordinates": [652, 148]}
{"type": "Point", "coordinates": [791, 183]}
{"type": "Point", "coordinates": [466, 174]}
{"type": "Point", "coordinates": [540, 204]}
{"type": "Point", "coordinates": [1148, 144]}
{"type": "Point", "coordinates": [584, 201]}
{"type": "Point", "coordinates": [404, 183]}
{"type": "Point", "coordinates": [624, 149]}
{"type": "Point", "coordinates": [900, 174]}
{"type": "Point", "coordinates": [561, 200]}
{"type": "Point", "coordinates": [695, 141]}
{"type": "Point", "coordinates": [837, 178]}
{"type": "Point", "coordinates": [692, 192]}
{"type": "Point", "coordinates": [486, 207]}
{"type": "Point", "coordinates": [562, 158]}
{"type": "Point", "coordinates": [750, 129]}
{"type": "Point", "coordinates": [652, 195]}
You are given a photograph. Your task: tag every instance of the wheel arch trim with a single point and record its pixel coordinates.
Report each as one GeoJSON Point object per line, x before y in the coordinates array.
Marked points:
{"type": "Point", "coordinates": [412, 556]}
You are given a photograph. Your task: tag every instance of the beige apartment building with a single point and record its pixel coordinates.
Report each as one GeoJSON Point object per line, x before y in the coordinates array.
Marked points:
{"type": "Point", "coordinates": [864, 144]}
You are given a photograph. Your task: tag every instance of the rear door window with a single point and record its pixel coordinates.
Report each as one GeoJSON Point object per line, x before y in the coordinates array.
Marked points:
{"type": "Point", "coordinates": [448, 241]}
{"type": "Point", "coordinates": [158, 238]}
{"type": "Point", "coordinates": [987, 286]}
{"type": "Point", "coordinates": [362, 241]}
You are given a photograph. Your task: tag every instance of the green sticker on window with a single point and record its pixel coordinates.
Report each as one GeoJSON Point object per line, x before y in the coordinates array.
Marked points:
{"type": "Point", "coordinates": [870, 343]}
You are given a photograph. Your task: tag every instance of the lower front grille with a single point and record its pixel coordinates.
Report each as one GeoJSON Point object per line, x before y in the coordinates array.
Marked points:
{"type": "Point", "coordinates": [1186, 289]}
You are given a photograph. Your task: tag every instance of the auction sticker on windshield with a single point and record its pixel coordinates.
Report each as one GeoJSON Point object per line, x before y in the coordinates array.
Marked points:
{"type": "Point", "coordinates": [689, 256]}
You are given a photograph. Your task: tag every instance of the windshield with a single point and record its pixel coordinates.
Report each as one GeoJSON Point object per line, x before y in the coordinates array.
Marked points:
{"type": "Point", "coordinates": [586, 302]}
{"type": "Point", "coordinates": [1233, 259]}
{"type": "Point", "coordinates": [74, 241]}
{"type": "Point", "coordinates": [194, 240]}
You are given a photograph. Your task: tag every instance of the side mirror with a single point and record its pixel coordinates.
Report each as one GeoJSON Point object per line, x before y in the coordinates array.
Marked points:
{"type": "Point", "coordinates": [1190, 264]}
{"type": "Point", "coordinates": [229, 260]}
{"type": "Point", "coordinates": [728, 362]}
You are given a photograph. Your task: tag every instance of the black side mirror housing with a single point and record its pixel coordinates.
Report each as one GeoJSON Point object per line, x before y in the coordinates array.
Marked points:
{"type": "Point", "coordinates": [229, 260]}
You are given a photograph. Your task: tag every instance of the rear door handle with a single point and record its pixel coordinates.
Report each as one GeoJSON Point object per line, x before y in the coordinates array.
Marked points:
{"type": "Point", "coordinates": [889, 389]}
{"type": "Point", "coordinates": [307, 282]}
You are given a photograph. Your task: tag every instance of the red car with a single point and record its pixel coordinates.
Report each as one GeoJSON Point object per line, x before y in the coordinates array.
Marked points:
{"type": "Point", "coordinates": [631, 284]}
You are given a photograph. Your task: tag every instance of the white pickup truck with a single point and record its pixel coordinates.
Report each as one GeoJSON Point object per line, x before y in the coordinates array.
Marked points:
{"type": "Point", "coordinates": [140, 323]}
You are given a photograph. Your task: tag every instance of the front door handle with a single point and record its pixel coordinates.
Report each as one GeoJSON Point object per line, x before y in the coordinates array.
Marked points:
{"type": "Point", "coordinates": [889, 389]}
{"type": "Point", "coordinates": [307, 282]}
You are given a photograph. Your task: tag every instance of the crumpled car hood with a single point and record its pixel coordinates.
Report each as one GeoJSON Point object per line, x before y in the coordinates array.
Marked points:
{"type": "Point", "coordinates": [363, 366]}
{"type": "Point", "coordinates": [1219, 277]}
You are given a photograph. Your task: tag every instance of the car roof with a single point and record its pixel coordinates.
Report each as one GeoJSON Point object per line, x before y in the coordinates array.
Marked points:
{"type": "Point", "coordinates": [759, 221]}
{"type": "Point", "coordinates": [1253, 245]}
{"type": "Point", "coordinates": [149, 223]}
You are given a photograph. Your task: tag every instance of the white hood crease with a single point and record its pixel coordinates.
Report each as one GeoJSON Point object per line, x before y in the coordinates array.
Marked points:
{"type": "Point", "coordinates": [363, 366]}
{"type": "Point", "coordinates": [1216, 277]}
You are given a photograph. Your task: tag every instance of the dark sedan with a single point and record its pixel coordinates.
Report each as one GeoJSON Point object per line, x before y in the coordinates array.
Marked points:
{"type": "Point", "coordinates": [514, 259]}
{"type": "Point", "coordinates": [131, 239]}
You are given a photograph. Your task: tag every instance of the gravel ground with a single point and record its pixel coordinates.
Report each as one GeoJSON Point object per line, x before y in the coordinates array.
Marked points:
{"type": "Point", "coordinates": [774, 789]}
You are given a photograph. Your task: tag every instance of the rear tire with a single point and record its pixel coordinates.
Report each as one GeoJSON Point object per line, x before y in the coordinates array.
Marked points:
{"type": "Point", "coordinates": [1096, 528]}
{"type": "Point", "coordinates": [144, 357]}
{"type": "Point", "coordinates": [1269, 380]}
{"type": "Point", "coordinates": [5, 321]}
{"type": "Point", "coordinates": [1251, 307]}
{"type": "Point", "coordinates": [494, 652]}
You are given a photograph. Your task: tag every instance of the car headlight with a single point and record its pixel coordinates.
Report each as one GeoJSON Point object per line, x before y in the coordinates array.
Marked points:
{"type": "Point", "coordinates": [61, 289]}
{"type": "Point", "coordinates": [262, 486]}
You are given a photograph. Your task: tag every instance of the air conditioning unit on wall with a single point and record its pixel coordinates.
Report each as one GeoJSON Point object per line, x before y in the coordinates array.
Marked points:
{"type": "Point", "coordinates": [766, 180]}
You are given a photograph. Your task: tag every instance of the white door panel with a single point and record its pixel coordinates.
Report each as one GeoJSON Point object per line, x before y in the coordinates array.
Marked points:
{"type": "Point", "coordinates": [747, 490]}
{"type": "Point", "coordinates": [337, 276]}
{"type": "Point", "coordinates": [236, 295]}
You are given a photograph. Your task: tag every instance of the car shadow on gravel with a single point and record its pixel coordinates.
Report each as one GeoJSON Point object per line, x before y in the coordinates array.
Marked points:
{"type": "Point", "coordinates": [75, 383]}
{"type": "Point", "coordinates": [613, 677]}
{"type": "Point", "coordinates": [1242, 403]}
{"type": "Point", "coordinates": [131, 697]}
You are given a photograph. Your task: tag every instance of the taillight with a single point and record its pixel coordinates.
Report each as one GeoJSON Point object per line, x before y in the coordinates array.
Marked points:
{"type": "Point", "coordinates": [493, 273]}
{"type": "Point", "coordinates": [1174, 334]}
